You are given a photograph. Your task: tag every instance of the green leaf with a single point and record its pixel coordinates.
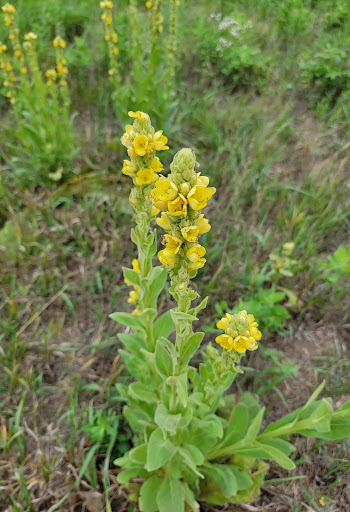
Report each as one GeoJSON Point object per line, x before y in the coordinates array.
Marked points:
{"type": "Point", "coordinates": [166, 421]}
{"type": "Point", "coordinates": [163, 326]}
{"type": "Point", "coordinates": [138, 420]}
{"type": "Point", "coordinates": [155, 284]}
{"type": "Point", "coordinates": [163, 361]}
{"type": "Point", "coordinates": [181, 388]}
{"type": "Point", "coordinates": [238, 424]}
{"type": "Point", "coordinates": [132, 276]}
{"type": "Point", "coordinates": [140, 392]}
{"type": "Point", "coordinates": [179, 316]}
{"type": "Point", "coordinates": [170, 497]}
{"type": "Point", "coordinates": [159, 450]}
{"type": "Point", "coordinates": [197, 309]}
{"type": "Point", "coordinates": [190, 347]}
{"type": "Point", "coordinates": [132, 342]}
{"type": "Point", "coordinates": [277, 455]}
{"type": "Point", "coordinates": [243, 479]}
{"type": "Point", "coordinates": [148, 494]}
{"type": "Point", "coordinates": [193, 457]}
{"type": "Point", "coordinates": [125, 475]}
{"type": "Point", "coordinates": [224, 477]}
{"type": "Point", "coordinates": [139, 454]}
{"type": "Point", "coordinates": [129, 320]}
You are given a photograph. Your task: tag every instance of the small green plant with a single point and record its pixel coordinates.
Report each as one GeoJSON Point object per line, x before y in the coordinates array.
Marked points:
{"type": "Point", "coordinates": [191, 441]}
{"type": "Point", "coordinates": [327, 72]}
{"type": "Point", "coordinates": [43, 149]}
{"type": "Point", "coordinates": [338, 15]}
{"type": "Point", "coordinates": [337, 267]}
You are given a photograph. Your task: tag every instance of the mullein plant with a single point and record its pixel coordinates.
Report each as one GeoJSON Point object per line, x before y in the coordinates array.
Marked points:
{"type": "Point", "coordinates": [151, 52]}
{"type": "Point", "coordinates": [192, 440]}
{"type": "Point", "coordinates": [41, 106]}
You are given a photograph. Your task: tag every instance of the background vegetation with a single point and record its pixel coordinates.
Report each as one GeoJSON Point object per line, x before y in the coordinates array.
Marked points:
{"type": "Point", "coordinates": [262, 94]}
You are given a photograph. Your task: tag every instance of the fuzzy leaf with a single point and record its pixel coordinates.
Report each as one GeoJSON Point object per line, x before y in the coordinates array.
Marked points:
{"type": "Point", "coordinates": [170, 497]}
{"type": "Point", "coordinates": [132, 276]}
{"type": "Point", "coordinates": [163, 361]}
{"type": "Point", "coordinates": [133, 342]}
{"type": "Point", "coordinates": [166, 421]}
{"type": "Point", "coordinates": [159, 450]}
{"type": "Point", "coordinates": [190, 347]}
{"type": "Point", "coordinates": [163, 326]}
{"type": "Point", "coordinates": [148, 494]}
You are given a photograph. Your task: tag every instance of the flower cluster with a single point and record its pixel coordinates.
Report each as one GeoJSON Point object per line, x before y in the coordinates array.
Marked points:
{"type": "Point", "coordinates": [10, 79]}
{"type": "Point", "coordinates": [181, 197]}
{"type": "Point", "coordinates": [142, 143]}
{"type": "Point", "coordinates": [241, 332]}
{"type": "Point", "coordinates": [111, 35]}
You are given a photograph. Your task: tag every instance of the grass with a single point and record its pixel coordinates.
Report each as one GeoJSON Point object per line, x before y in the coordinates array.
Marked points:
{"type": "Point", "coordinates": [279, 157]}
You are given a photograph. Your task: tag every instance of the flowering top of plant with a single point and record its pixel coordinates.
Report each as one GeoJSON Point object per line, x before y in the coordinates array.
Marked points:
{"type": "Point", "coordinates": [241, 332]}
{"type": "Point", "coordinates": [181, 197]}
{"type": "Point", "coordinates": [142, 142]}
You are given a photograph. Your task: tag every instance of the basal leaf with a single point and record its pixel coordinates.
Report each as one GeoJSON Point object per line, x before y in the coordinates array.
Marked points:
{"type": "Point", "coordinates": [159, 450]}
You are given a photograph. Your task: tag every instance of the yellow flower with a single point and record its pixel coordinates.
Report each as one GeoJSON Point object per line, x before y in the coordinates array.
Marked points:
{"type": "Point", "coordinates": [154, 211]}
{"type": "Point", "coordinates": [202, 180]}
{"type": "Point", "coordinates": [3, 48]}
{"type": "Point", "coordinates": [136, 312]}
{"type": "Point", "coordinates": [156, 165]}
{"type": "Point", "coordinates": [224, 322]}
{"type": "Point", "coordinates": [146, 176]}
{"type": "Point", "coordinates": [8, 21]}
{"type": "Point", "coordinates": [108, 4]}
{"type": "Point", "coordinates": [194, 254]}
{"type": "Point", "coordinates": [116, 51]}
{"type": "Point", "coordinates": [23, 70]}
{"type": "Point", "coordinates": [163, 222]}
{"type": "Point", "coordinates": [141, 116]}
{"type": "Point", "coordinates": [8, 8]}
{"type": "Point", "coordinates": [126, 138]}
{"type": "Point", "coordinates": [135, 265]}
{"type": "Point", "coordinates": [225, 341]}
{"type": "Point", "coordinates": [31, 36]}
{"type": "Point", "coordinates": [199, 196]}
{"type": "Point", "coordinates": [160, 205]}
{"type": "Point", "coordinates": [165, 190]}
{"type": "Point", "coordinates": [59, 42]}
{"type": "Point", "coordinates": [173, 243]}
{"type": "Point", "coordinates": [190, 233]}
{"type": "Point", "coordinates": [140, 145]}
{"type": "Point", "coordinates": [149, 5]}
{"type": "Point", "coordinates": [159, 141]}
{"type": "Point", "coordinates": [133, 296]}
{"type": "Point", "coordinates": [114, 37]}
{"type": "Point", "coordinates": [178, 206]}
{"type": "Point", "coordinates": [160, 28]}
{"type": "Point", "coordinates": [107, 18]}
{"type": "Point", "coordinates": [166, 258]}
{"type": "Point", "coordinates": [129, 168]}
{"type": "Point", "coordinates": [203, 225]}
{"type": "Point", "coordinates": [62, 70]}
{"type": "Point", "coordinates": [18, 53]}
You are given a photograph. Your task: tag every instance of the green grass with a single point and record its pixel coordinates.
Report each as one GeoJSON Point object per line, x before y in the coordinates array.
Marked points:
{"type": "Point", "coordinates": [275, 145]}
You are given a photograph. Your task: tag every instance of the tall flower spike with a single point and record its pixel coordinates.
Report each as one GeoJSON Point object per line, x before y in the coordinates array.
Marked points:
{"type": "Point", "coordinates": [142, 143]}
{"type": "Point", "coordinates": [181, 197]}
